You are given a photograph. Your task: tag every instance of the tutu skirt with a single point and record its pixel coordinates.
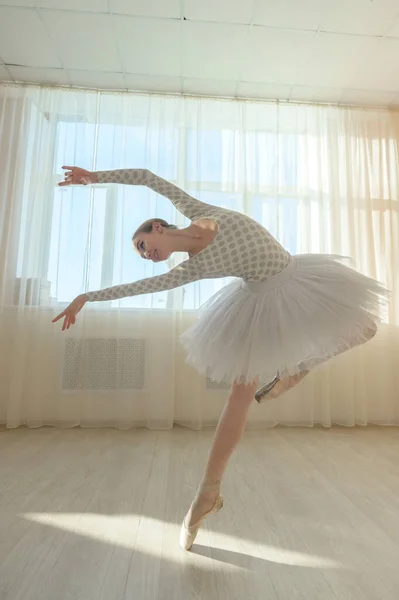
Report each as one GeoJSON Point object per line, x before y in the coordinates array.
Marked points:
{"type": "Point", "coordinates": [315, 308]}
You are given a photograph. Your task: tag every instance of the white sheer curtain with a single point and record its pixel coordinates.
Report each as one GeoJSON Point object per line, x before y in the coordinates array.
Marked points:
{"type": "Point", "coordinates": [321, 179]}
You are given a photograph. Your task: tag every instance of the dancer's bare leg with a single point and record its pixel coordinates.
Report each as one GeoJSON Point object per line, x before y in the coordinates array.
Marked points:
{"type": "Point", "coordinates": [229, 431]}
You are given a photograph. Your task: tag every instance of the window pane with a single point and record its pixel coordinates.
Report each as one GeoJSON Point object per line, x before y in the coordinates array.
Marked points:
{"type": "Point", "coordinates": [280, 217]}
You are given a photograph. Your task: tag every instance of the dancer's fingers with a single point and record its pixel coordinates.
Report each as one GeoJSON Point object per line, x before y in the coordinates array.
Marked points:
{"type": "Point", "coordinates": [59, 316]}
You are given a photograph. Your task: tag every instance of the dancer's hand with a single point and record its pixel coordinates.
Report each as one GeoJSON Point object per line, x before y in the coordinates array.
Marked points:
{"type": "Point", "coordinates": [78, 176]}
{"type": "Point", "coordinates": [71, 311]}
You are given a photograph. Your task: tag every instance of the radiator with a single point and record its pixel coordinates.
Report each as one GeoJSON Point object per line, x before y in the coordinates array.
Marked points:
{"type": "Point", "coordinates": [104, 364]}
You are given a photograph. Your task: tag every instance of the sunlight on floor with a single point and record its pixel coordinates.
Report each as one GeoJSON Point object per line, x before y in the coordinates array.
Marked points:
{"type": "Point", "coordinates": [122, 531]}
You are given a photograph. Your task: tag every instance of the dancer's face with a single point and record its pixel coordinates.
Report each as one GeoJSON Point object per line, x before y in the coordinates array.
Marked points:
{"type": "Point", "coordinates": [155, 245]}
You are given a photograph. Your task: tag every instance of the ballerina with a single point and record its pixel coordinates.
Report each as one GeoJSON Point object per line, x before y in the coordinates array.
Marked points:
{"type": "Point", "coordinates": [264, 332]}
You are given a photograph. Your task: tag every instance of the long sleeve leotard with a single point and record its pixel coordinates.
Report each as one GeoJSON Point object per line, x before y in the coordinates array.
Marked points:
{"type": "Point", "coordinates": [241, 248]}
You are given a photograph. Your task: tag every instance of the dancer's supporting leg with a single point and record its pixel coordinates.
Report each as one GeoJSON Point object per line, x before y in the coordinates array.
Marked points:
{"type": "Point", "coordinates": [229, 431]}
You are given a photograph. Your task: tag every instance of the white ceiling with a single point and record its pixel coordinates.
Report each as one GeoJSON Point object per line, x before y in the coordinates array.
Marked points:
{"type": "Point", "coordinates": [341, 51]}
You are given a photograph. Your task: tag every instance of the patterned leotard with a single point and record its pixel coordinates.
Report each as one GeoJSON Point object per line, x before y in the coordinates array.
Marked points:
{"type": "Point", "coordinates": [241, 248]}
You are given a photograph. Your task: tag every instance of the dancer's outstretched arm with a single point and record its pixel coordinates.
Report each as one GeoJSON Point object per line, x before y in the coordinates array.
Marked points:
{"type": "Point", "coordinates": [190, 207]}
{"type": "Point", "coordinates": [186, 272]}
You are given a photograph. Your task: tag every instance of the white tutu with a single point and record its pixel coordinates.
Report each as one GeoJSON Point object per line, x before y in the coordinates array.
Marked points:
{"type": "Point", "coordinates": [306, 314]}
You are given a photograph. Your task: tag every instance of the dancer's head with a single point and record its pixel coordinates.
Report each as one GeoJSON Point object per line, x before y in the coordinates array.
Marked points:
{"type": "Point", "coordinates": [153, 241]}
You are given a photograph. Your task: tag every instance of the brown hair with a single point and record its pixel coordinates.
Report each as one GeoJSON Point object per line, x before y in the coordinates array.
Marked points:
{"type": "Point", "coordinates": [146, 227]}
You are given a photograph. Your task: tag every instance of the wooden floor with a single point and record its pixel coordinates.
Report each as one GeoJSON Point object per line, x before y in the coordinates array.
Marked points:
{"type": "Point", "coordinates": [95, 515]}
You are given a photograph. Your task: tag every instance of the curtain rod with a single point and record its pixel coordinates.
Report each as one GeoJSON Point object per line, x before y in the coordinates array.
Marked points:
{"type": "Point", "coordinates": [71, 88]}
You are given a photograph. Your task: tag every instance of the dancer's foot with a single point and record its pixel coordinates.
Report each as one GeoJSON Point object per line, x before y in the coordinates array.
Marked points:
{"type": "Point", "coordinates": [265, 390]}
{"type": "Point", "coordinates": [202, 503]}
{"type": "Point", "coordinates": [286, 384]}
{"type": "Point", "coordinates": [207, 501]}
{"type": "Point", "coordinates": [278, 386]}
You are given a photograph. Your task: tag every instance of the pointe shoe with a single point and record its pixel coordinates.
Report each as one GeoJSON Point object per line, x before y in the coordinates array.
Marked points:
{"type": "Point", "coordinates": [265, 390]}
{"type": "Point", "coordinates": [188, 533]}
{"type": "Point", "coordinates": [277, 387]}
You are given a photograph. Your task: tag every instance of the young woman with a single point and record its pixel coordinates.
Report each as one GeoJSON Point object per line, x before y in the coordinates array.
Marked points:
{"type": "Point", "coordinates": [278, 319]}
